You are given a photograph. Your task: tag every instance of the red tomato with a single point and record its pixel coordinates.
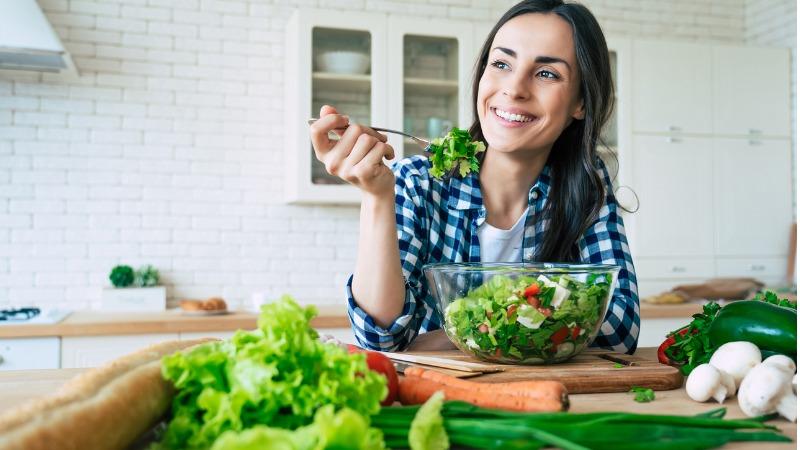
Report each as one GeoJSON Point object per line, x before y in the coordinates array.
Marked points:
{"type": "Point", "coordinates": [576, 332]}
{"type": "Point", "coordinates": [531, 290]}
{"type": "Point", "coordinates": [533, 301]}
{"type": "Point", "coordinates": [546, 311]}
{"type": "Point", "coordinates": [379, 363]}
{"type": "Point", "coordinates": [559, 336]}
{"type": "Point", "coordinates": [662, 356]}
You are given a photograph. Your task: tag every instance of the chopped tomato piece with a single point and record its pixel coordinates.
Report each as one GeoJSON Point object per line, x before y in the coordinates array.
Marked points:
{"type": "Point", "coordinates": [534, 301]}
{"type": "Point", "coordinates": [483, 328]}
{"type": "Point", "coordinates": [533, 289]}
{"type": "Point", "coordinates": [546, 311]}
{"type": "Point", "coordinates": [511, 310]}
{"type": "Point", "coordinates": [498, 353]}
{"type": "Point", "coordinates": [576, 332]}
{"type": "Point", "coordinates": [559, 336]}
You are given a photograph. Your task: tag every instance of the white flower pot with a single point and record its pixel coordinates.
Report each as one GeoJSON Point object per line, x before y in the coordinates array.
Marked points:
{"type": "Point", "coordinates": [135, 299]}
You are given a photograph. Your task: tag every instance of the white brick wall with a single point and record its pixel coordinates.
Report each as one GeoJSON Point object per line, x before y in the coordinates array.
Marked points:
{"type": "Point", "coordinates": [167, 149]}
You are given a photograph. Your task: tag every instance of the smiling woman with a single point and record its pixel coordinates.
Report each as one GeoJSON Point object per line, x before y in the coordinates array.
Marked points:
{"type": "Point", "coordinates": [542, 92]}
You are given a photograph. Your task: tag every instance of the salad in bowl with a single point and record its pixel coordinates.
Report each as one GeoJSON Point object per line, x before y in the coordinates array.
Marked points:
{"type": "Point", "coordinates": [521, 313]}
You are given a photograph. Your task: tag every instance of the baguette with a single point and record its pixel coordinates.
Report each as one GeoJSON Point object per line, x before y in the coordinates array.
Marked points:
{"type": "Point", "coordinates": [103, 408]}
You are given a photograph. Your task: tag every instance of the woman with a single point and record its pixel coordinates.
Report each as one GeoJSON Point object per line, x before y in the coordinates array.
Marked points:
{"type": "Point", "coordinates": [542, 92]}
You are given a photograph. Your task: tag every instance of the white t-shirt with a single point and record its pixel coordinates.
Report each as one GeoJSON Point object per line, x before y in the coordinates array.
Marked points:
{"type": "Point", "coordinates": [502, 245]}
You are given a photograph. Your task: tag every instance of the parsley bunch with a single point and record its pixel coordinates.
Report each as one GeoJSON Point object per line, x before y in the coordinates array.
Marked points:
{"type": "Point", "coordinates": [455, 151]}
{"type": "Point", "coordinates": [692, 343]}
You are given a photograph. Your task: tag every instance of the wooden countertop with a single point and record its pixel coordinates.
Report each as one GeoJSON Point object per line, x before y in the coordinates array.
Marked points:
{"type": "Point", "coordinates": [19, 386]}
{"type": "Point", "coordinates": [95, 323]}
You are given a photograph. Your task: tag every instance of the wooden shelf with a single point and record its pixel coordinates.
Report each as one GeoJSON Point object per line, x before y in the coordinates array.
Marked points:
{"type": "Point", "coordinates": [430, 86]}
{"type": "Point", "coordinates": [337, 81]}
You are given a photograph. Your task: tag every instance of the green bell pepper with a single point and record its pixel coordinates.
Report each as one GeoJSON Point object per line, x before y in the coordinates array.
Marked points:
{"type": "Point", "coordinates": [772, 328]}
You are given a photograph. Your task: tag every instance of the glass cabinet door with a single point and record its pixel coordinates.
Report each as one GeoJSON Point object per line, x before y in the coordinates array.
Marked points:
{"type": "Point", "coordinates": [607, 147]}
{"type": "Point", "coordinates": [430, 67]}
{"type": "Point", "coordinates": [336, 58]}
{"type": "Point", "coordinates": [430, 86]}
{"type": "Point", "coordinates": [340, 77]}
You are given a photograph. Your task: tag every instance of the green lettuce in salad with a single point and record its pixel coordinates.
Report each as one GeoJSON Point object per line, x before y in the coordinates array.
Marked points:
{"type": "Point", "coordinates": [526, 319]}
{"type": "Point", "coordinates": [455, 151]}
{"type": "Point", "coordinates": [279, 375]}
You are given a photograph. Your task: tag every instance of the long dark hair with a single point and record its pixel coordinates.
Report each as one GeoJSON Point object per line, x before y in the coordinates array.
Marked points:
{"type": "Point", "coordinates": [576, 191]}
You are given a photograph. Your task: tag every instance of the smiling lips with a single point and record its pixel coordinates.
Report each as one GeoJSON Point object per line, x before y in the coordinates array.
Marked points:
{"type": "Point", "coordinates": [511, 118]}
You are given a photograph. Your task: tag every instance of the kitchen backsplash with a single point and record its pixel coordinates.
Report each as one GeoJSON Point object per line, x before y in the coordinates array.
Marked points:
{"type": "Point", "coordinates": [168, 149]}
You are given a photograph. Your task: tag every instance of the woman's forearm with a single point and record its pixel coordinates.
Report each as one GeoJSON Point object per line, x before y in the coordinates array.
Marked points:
{"type": "Point", "coordinates": [378, 285]}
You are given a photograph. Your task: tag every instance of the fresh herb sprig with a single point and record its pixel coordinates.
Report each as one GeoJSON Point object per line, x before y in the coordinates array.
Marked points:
{"type": "Point", "coordinates": [455, 152]}
{"type": "Point", "coordinates": [642, 394]}
{"type": "Point", "coordinates": [772, 298]}
{"type": "Point", "coordinates": [692, 345]}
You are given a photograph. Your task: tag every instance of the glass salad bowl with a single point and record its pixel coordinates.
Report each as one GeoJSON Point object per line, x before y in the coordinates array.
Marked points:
{"type": "Point", "coordinates": [521, 313]}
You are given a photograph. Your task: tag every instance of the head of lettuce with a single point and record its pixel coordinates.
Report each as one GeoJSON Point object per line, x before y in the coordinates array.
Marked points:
{"type": "Point", "coordinates": [265, 387]}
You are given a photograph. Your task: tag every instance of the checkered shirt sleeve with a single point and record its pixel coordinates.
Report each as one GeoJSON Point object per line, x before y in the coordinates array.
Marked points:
{"type": "Point", "coordinates": [605, 242]}
{"type": "Point", "coordinates": [419, 312]}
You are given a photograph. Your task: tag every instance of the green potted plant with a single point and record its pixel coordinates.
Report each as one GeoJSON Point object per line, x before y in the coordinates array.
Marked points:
{"type": "Point", "coordinates": [134, 290]}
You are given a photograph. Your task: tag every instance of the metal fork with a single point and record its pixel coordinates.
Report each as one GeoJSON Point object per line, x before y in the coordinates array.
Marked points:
{"type": "Point", "coordinates": [424, 143]}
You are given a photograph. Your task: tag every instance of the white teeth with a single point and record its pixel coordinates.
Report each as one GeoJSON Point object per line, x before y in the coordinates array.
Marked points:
{"type": "Point", "coordinates": [512, 117]}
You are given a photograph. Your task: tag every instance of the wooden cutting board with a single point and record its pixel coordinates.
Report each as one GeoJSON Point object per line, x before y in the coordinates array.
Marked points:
{"type": "Point", "coordinates": [592, 371]}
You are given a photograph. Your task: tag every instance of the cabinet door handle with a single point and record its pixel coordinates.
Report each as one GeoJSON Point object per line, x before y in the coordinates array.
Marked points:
{"type": "Point", "coordinates": [673, 128]}
{"type": "Point", "coordinates": [757, 267]}
{"type": "Point", "coordinates": [673, 140]}
{"type": "Point", "coordinates": [678, 269]}
{"type": "Point", "coordinates": [753, 131]}
{"type": "Point", "coordinates": [754, 142]}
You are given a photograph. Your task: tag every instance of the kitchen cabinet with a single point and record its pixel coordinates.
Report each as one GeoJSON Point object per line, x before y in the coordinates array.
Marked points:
{"type": "Point", "coordinates": [753, 196]}
{"type": "Point", "coordinates": [751, 91]}
{"type": "Point", "coordinates": [417, 81]}
{"type": "Point", "coordinates": [30, 353]}
{"type": "Point", "coordinates": [312, 36]}
{"type": "Point", "coordinates": [672, 87]}
{"type": "Point", "coordinates": [93, 351]}
{"type": "Point", "coordinates": [672, 178]}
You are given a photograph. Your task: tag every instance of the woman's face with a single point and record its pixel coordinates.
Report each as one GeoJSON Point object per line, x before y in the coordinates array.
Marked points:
{"type": "Point", "coordinates": [529, 91]}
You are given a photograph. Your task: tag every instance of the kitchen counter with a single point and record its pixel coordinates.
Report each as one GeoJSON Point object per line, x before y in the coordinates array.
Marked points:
{"type": "Point", "coordinates": [98, 323]}
{"type": "Point", "coordinates": [19, 386]}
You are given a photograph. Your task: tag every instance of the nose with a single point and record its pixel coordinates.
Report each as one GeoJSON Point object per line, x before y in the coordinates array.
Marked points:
{"type": "Point", "coordinates": [517, 86]}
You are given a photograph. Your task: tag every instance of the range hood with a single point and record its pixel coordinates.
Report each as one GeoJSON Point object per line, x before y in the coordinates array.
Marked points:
{"type": "Point", "coordinates": [27, 41]}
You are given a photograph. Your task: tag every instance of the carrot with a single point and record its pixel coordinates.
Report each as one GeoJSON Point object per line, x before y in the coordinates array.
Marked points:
{"type": "Point", "coordinates": [416, 390]}
{"type": "Point", "coordinates": [538, 389]}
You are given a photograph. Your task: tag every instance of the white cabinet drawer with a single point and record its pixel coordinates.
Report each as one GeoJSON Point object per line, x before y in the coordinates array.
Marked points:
{"type": "Point", "coordinates": [92, 351]}
{"type": "Point", "coordinates": [30, 353]}
{"type": "Point", "coordinates": [760, 268]}
{"type": "Point", "coordinates": [674, 268]}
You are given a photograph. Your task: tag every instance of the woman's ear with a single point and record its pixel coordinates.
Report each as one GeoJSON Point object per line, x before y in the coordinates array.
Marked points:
{"type": "Point", "coordinates": [579, 112]}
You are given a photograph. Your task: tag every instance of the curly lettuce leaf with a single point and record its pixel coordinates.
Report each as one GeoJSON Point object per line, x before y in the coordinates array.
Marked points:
{"type": "Point", "coordinates": [456, 151]}
{"type": "Point", "coordinates": [341, 430]}
{"type": "Point", "coordinates": [278, 375]}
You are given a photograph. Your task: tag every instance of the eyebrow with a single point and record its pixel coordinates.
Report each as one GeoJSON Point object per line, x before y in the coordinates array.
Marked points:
{"type": "Point", "coordinates": [539, 59]}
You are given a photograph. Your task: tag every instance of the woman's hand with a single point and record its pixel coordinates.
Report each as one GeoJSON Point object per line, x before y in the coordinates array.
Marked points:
{"type": "Point", "coordinates": [357, 157]}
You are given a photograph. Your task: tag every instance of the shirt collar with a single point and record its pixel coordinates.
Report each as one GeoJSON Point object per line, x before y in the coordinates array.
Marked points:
{"type": "Point", "coordinates": [465, 193]}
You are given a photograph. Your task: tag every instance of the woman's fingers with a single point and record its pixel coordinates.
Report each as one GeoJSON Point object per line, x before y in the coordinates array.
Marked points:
{"type": "Point", "coordinates": [319, 132]}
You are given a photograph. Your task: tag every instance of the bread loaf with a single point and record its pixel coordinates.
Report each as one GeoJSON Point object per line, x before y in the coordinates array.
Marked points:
{"type": "Point", "coordinates": [103, 408]}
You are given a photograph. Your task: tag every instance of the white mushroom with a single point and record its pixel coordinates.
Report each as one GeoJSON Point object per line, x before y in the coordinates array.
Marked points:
{"type": "Point", "coordinates": [736, 358]}
{"type": "Point", "coordinates": [767, 389]}
{"type": "Point", "coordinates": [706, 381]}
{"type": "Point", "coordinates": [782, 362]}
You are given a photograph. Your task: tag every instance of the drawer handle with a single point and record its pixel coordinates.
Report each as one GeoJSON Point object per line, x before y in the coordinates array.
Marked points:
{"type": "Point", "coordinates": [673, 140]}
{"type": "Point", "coordinates": [678, 269]}
{"type": "Point", "coordinates": [753, 131]}
{"type": "Point", "coordinates": [673, 128]}
{"type": "Point", "coordinates": [757, 267]}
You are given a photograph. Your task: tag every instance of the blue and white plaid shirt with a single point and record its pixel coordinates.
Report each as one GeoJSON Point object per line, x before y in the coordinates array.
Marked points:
{"type": "Point", "coordinates": [438, 222]}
